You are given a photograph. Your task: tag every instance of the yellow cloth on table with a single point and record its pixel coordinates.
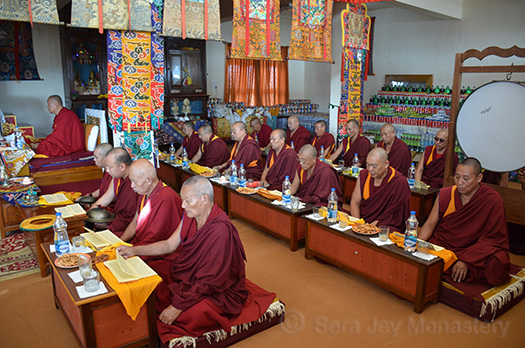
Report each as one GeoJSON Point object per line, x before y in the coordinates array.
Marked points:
{"type": "Point", "coordinates": [448, 256]}
{"type": "Point", "coordinates": [71, 198]}
{"type": "Point", "coordinates": [350, 220]}
{"type": "Point", "coordinates": [38, 155]}
{"type": "Point", "coordinates": [199, 169]}
{"type": "Point", "coordinates": [133, 294]}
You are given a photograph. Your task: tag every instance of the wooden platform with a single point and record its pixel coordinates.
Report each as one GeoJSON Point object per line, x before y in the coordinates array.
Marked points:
{"type": "Point", "coordinates": [62, 176]}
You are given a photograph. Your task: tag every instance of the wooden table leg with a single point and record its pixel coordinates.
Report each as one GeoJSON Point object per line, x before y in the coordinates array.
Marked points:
{"type": "Point", "coordinates": [41, 256]}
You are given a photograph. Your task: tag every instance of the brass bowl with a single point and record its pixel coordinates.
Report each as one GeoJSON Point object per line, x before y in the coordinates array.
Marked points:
{"type": "Point", "coordinates": [100, 215]}
{"type": "Point", "coordinates": [87, 200]}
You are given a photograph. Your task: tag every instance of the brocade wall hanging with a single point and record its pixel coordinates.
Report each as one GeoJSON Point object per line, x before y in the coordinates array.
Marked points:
{"type": "Point", "coordinates": [356, 33]}
{"type": "Point", "coordinates": [193, 19]}
{"type": "Point", "coordinates": [37, 11]}
{"type": "Point", "coordinates": [139, 145]}
{"type": "Point", "coordinates": [311, 37]}
{"type": "Point", "coordinates": [256, 30]}
{"type": "Point", "coordinates": [114, 14]}
{"type": "Point", "coordinates": [17, 59]}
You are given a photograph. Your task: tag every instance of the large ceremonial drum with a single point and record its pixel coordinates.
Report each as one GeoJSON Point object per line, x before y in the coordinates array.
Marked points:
{"type": "Point", "coordinates": [491, 126]}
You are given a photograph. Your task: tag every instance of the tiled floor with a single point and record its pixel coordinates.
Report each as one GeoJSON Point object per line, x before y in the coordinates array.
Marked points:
{"type": "Point", "coordinates": [325, 307]}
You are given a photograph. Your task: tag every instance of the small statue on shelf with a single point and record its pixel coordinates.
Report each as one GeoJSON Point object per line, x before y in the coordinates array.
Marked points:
{"type": "Point", "coordinates": [186, 108]}
{"type": "Point", "coordinates": [174, 108]}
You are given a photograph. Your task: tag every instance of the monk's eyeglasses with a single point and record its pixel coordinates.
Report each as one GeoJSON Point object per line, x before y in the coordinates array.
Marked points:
{"type": "Point", "coordinates": [441, 140]}
{"type": "Point", "coordinates": [304, 160]}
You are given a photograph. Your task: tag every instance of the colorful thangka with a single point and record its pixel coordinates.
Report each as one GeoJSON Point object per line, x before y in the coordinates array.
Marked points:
{"type": "Point", "coordinates": [17, 58]}
{"type": "Point", "coordinates": [311, 37]}
{"type": "Point", "coordinates": [256, 30]}
{"type": "Point", "coordinates": [192, 19]}
{"type": "Point", "coordinates": [139, 144]}
{"type": "Point", "coordinates": [356, 37]}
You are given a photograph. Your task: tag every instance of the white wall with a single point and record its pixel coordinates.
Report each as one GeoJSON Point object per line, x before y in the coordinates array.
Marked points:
{"type": "Point", "coordinates": [27, 99]}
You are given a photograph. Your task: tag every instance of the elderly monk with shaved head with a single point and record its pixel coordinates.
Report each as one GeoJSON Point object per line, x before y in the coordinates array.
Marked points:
{"type": "Point", "coordinates": [159, 208]}
{"type": "Point", "coordinates": [352, 144]}
{"type": "Point", "coordinates": [281, 162]}
{"type": "Point", "coordinates": [213, 150]}
{"type": "Point", "coordinates": [469, 219]}
{"type": "Point", "coordinates": [296, 134]}
{"type": "Point", "coordinates": [206, 286]}
{"type": "Point", "coordinates": [191, 141]}
{"type": "Point", "coordinates": [245, 151]}
{"type": "Point", "coordinates": [381, 195]}
{"type": "Point", "coordinates": [431, 167]}
{"type": "Point", "coordinates": [314, 179]}
{"type": "Point", "coordinates": [100, 153]}
{"type": "Point", "coordinates": [261, 132]}
{"type": "Point", "coordinates": [399, 155]}
{"type": "Point", "coordinates": [324, 139]}
{"type": "Point", "coordinates": [118, 162]}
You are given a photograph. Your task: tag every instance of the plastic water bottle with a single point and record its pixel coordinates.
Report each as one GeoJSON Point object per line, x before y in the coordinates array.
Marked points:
{"type": "Point", "coordinates": [61, 237]}
{"type": "Point", "coordinates": [292, 146]}
{"type": "Point", "coordinates": [355, 168]}
{"type": "Point", "coordinates": [321, 154]}
{"type": "Point", "coordinates": [332, 206]}
{"type": "Point", "coordinates": [256, 139]}
{"type": "Point", "coordinates": [242, 176]}
{"type": "Point", "coordinates": [412, 176]}
{"type": "Point", "coordinates": [172, 154]}
{"type": "Point", "coordinates": [19, 140]}
{"type": "Point", "coordinates": [233, 173]}
{"type": "Point", "coordinates": [287, 192]}
{"type": "Point", "coordinates": [411, 233]}
{"type": "Point", "coordinates": [185, 163]}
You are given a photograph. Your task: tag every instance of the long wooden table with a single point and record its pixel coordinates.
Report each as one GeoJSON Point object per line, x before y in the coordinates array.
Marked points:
{"type": "Point", "coordinates": [388, 266]}
{"type": "Point", "coordinates": [276, 220]}
{"type": "Point", "coordinates": [101, 320]}
{"type": "Point", "coordinates": [421, 201]}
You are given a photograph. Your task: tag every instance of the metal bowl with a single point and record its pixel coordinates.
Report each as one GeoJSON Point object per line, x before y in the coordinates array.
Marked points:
{"type": "Point", "coordinates": [100, 215]}
{"type": "Point", "coordinates": [87, 200]}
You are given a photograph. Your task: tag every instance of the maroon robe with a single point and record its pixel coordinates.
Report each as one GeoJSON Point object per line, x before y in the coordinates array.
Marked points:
{"type": "Point", "coordinates": [207, 277]}
{"type": "Point", "coordinates": [490, 177]}
{"type": "Point", "coordinates": [249, 154]}
{"type": "Point", "coordinates": [361, 146]}
{"type": "Point", "coordinates": [125, 205]}
{"type": "Point", "coordinates": [327, 141]}
{"type": "Point", "coordinates": [434, 168]}
{"type": "Point", "coordinates": [67, 136]}
{"type": "Point", "coordinates": [280, 166]}
{"type": "Point", "coordinates": [300, 138]}
{"type": "Point", "coordinates": [159, 215]}
{"type": "Point", "coordinates": [192, 144]}
{"type": "Point", "coordinates": [316, 189]}
{"type": "Point", "coordinates": [104, 183]}
{"type": "Point", "coordinates": [214, 153]}
{"type": "Point", "coordinates": [387, 203]}
{"type": "Point", "coordinates": [263, 136]}
{"type": "Point", "coordinates": [475, 232]}
{"type": "Point", "coordinates": [399, 156]}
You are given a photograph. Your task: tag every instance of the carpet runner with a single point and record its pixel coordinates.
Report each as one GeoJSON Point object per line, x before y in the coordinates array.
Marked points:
{"type": "Point", "coordinates": [16, 258]}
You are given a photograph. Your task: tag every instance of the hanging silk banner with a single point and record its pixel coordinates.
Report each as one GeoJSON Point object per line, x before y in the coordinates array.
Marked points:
{"type": "Point", "coordinates": [34, 11]}
{"type": "Point", "coordinates": [17, 59]}
{"type": "Point", "coordinates": [355, 24]}
{"type": "Point", "coordinates": [139, 145]}
{"type": "Point", "coordinates": [114, 43]}
{"type": "Point", "coordinates": [311, 37]}
{"type": "Point", "coordinates": [157, 66]}
{"type": "Point", "coordinates": [256, 30]}
{"type": "Point", "coordinates": [193, 19]}
{"type": "Point", "coordinates": [114, 14]}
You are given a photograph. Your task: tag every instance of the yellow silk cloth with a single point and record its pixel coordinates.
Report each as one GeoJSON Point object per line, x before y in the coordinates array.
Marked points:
{"type": "Point", "coordinates": [132, 294]}
{"type": "Point", "coordinates": [38, 155]}
{"type": "Point", "coordinates": [351, 221]}
{"type": "Point", "coordinates": [266, 194]}
{"type": "Point", "coordinates": [71, 197]}
{"type": "Point", "coordinates": [448, 256]}
{"type": "Point", "coordinates": [199, 169]}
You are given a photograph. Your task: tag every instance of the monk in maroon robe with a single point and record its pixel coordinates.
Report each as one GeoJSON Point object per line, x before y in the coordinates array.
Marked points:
{"type": "Point", "coordinates": [68, 133]}
{"type": "Point", "coordinates": [245, 151]}
{"type": "Point", "coordinates": [118, 162]}
{"type": "Point", "coordinates": [207, 282]}
{"type": "Point", "coordinates": [296, 134]}
{"type": "Point", "coordinates": [323, 139]}
{"type": "Point", "coordinates": [469, 219]}
{"type": "Point", "coordinates": [431, 167]}
{"type": "Point", "coordinates": [191, 141]}
{"type": "Point", "coordinates": [314, 179]}
{"type": "Point", "coordinates": [381, 195]}
{"type": "Point", "coordinates": [213, 150]}
{"type": "Point", "coordinates": [159, 208]}
{"type": "Point", "coordinates": [352, 144]}
{"type": "Point", "coordinates": [261, 132]}
{"type": "Point", "coordinates": [399, 155]}
{"type": "Point", "coordinates": [281, 162]}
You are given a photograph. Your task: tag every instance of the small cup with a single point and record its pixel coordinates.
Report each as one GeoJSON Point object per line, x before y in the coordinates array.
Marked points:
{"type": "Point", "coordinates": [317, 213]}
{"type": "Point", "coordinates": [343, 223]}
{"type": "Point", "coordinates": [383, 233]}
{"type": "Point", "coordinates": [341, 163]}
{"type": "Point", "coordinates": [423, 247]}
{"type": "Point", "coordinates": [78, 242]}
{"type": "Point", "coordinates": [295, 203]}
{"type": "Point", "coordinates": [91, 281]}
{"type": "Point", "coordinates": [84, 264]}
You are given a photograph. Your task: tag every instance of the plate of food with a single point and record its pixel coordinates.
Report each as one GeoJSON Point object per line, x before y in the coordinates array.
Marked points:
{"type": "Point", "coordinates": [208, 174]}
{"type": "Point", "coordinates": [68, 260]}
{"type": "Point", "coordinates": [366, 229]}
{"type": "Point", "coordinates": [247, 190]}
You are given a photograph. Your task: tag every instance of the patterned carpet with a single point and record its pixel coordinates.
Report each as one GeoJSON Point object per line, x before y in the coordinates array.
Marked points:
{"type": "Point", "coordinates": [16, 258]}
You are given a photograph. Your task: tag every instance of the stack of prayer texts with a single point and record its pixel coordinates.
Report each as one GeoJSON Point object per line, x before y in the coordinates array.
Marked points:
{"type": "Point", "coordinates": [128, 270]}
{"type": "Point", "coordinates": [101, 239]}
{"type": "Point", "coordinates": [70, 210]}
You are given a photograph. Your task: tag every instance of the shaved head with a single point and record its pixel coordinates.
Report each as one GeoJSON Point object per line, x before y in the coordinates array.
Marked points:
{"type": "Point", "coordinates": [352, 122]}
{"type": "Point", "coordinates": [188, 125]}
{"type": "Point", "coordinates": [240, 125]}
{"type": "Point", "coordinates": [103, 149]}
{"type": "Point", "coordinates": [280, 133]}
{"type": "Point", "coordinates": [55, 98]}
{"type": "Point", "coordinates": [199, 186]}
{"type": "Point", "coordinates": [378, 153]}
{"type": "Point", "coordinates": [120, 155]}
{"type": "Point", "coordinates": [473, 163]}
{"type": "Point", "coordinates": [443, 132]}
{"type": "Point", "coordinates": [255, 120]}
{"type": "Point", "coordinates": [206, 128]}
{"type": "Point", "coordinates": [293, 118]}
{"type": "Point", "coordinates": [308, 151]}
{"type": "Point", "coordinates": [387, 127]}
{"type": "Point", "coordinates": [143, 176]}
